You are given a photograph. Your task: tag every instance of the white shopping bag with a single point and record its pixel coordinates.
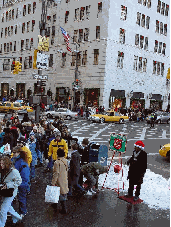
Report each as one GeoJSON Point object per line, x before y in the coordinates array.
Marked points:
{"type": "Point", "coordinates": [52, 194]}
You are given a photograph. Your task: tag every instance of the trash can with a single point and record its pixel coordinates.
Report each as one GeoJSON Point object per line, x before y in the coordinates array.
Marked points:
{"type": "Point", "coordinates": [93, 152]}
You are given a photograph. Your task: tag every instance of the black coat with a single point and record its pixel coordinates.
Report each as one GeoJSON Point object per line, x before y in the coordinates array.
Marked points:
{"type": "Point", "coordinates": [137, 167]}
{"type": "Point", "coordinates": [75, 164]}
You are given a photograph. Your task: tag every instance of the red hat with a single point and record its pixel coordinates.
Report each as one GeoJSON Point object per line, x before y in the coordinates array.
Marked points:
{"type": "Point", "coordinates": [139, 144]}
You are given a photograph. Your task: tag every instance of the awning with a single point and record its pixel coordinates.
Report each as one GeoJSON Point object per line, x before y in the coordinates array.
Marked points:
{"type": "Point", "coordinates": [138, 95]}
{"type": "Point", "coordinates": [156, 97]}
{"type": "Point", "coordinates": [117, 93]}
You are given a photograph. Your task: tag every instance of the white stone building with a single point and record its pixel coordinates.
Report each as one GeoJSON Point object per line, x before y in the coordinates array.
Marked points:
{"type": "Point", "coordinates": [124, 50]}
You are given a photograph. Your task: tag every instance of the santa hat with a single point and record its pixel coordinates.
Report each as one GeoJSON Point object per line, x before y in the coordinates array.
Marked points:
{"type": "Point", "coordinates": [139, 144]}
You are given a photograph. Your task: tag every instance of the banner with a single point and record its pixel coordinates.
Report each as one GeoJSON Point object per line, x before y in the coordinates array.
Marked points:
{"type": "Point", "coordinates": [118, 142]}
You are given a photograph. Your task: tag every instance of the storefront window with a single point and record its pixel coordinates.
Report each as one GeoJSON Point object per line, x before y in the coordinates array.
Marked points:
{"type": "Point", "coordinates": [91, 96]}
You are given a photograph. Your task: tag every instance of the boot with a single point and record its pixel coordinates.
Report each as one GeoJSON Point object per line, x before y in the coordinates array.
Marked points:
{"type": "Point", "coordinates": [64, 209]}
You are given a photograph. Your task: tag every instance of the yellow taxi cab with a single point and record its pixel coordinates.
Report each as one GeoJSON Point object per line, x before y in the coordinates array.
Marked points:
{"type": "Point", "coordinates": [109, 116]}
{"type": "Point", "coordinates": [10, 106]}
{"type": "Point", "coordinates": [165, 150]}
{"type": "Point", "coordinates": [29, 109]}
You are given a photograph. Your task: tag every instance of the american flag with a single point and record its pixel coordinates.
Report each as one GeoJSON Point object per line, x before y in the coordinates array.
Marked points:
{"type": "Point", "coordinates": [66, 38]}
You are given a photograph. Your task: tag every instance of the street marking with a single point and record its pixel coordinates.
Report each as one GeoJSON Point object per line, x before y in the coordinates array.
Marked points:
{"type": "Point", "coordinates": [75, 132]}
{"type": "Point", "coordinates": [98, 133]}
{"type": "Point", "coordinates": [164, 134]}
{"type": "Point", "coordinates": [143, 134]}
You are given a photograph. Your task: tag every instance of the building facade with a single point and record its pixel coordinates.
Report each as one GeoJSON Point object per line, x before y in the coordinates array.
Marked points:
{"type": "Point", "coordinates": [122, 51]}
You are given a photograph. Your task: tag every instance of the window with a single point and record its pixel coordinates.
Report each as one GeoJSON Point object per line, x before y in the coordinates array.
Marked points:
{"type": "Point", "coordinates": [29, 8]}
{"type": "Point", "coordinates": [96, 56]}
{"type": "Point", "coordinates": [7, 47]}
{"type": "Point", "coordinates": [122, 36]}
{"type": "Point", "coordinates": [23, 27]}
{"type": "Point", "coordinates": [140, 1]}
{"type": "Point", "coordinates": [165, 29]}
{"type": "Point", "coordinates": [138, 18]}
{"type": "Point", "coordinates": [97, 32]}
{"type": "Point", "coordinates": [26, 63]}
{"type": "Point", "coordinates": [80, 35]}
{"type": "Point", "coordinates": [31, 43]}
{"type": "Point", "coordinates": [156, 46]}
{"type": "Point", "coordinates": [86, 34]}
{"type": "Point", "coordinates": [53, 30]}
{"type": "Point", "coordinates": [6, 16]}
{"type": "Point", "coordinates": [34, 7]}
{"type": "Point", "coordinates": [17, 13]}
{"type": "Point", "coordinates": [54, 18]}
{"type": "Point", "coordinates": [123, 12]}
{"type": "Point", "coordinates": [141, 41]}
{"type": "Point", "coordinates": [1, 32]}
{"type": "Point", "coordinates": [140, 64]}
{"type": "Point", "coordinates": [24, 10]}
{"type": "Point", "coordinates": [9, 14]}
{"type": "Point", "coordinates": [3, 17]}
{"type": "Point", "coordinates": [154, 67]}
{"type": "Point", "coordinates": [137, 39]}
{"type": "Point", "coordinates": [144, 2]}
{"type": "Point", "coordinates": [6, 65]}
{"type": "Point", "coordinates": [158, 6]}
{"type": "Point", "coordinates": [67, 1]}
{"type": "Point", "coordinates": [82, 13]}
{"type": "Point", "coordinates": [73, 59]}
{"type": "Point", "coordinates": [144, 64]}
{"type": "Point", "coordinates": [11, 30]}
{"type": "Point", "coordinates": [164, 48]}
{"type": "Point", "coordinates": [10, 46]}
{"type": "Point", "coordinates": [48, 32]}
{"type": "Point", "coordinates": [52, 40]}
{"type": "Point", "coordinates": [77, 14]}
{"type": "Point", "coordinates": [66, 16]}
{"type": "Point", "coordinates": [146, 43]}
{"type": "Point", "coordinates": [1, 49]}
{"type": "Point", "coordinates": [162, 69]}
{"type": "Point", "coordinates": [87, 12]}
{"type": "Point", "coordinates": [78, 59]}
{"type": "Point", "coordinates": [22, 45]}
{"type": "Point", "coordinates": [20, 59]}
{"type": "Point", "coordinates": [30, 61]}
{"type": "Point", "coordinates": [49, 18]}
{"type": "Point", "coordinates": [163, 8]}
{"type": "Point", "coordinates": [63, 59]}
{"type": "Point", "coordinates": [15, 29]}
{"type": "Point", "coordinates": [120, 59]}
{"type": "Point", "coordinates": [135, 67]}
{"type": "Point", "coordinates": [27, 44]}
{"type": "Point", "coordinates": [13, 14]}
{"type": "Point", "coordinates": [167, 10]}
{"type": "Point", "coordinates": [33, 25]}
{"type": "Point", "coordinates": [84, 60]}
{"type": "Point", "coordinates": [51, 60]}
{"type": "Point", "coordinates": [158, 68]}
{"type": "Point", "coordinates": [147, 22]}
{"type": "Point", "coordinates": [161, 28]}
{"type": "Point", "coordinates": [157, 26]}
{"type": "Point", "coordinates": [149, 4]}
{"type": "Point", "coordinates": [6, 32]}
{"type": "Point", "coordinates": [143, 20]}
{"type": "Point", "coordinates": [14, 45]}
{"type": "Point", "coordinates": [28, 26]}
{"type": "Point", "coordinates": [75, 36]}
{"type": "Point", "coordinates": [160, 47]}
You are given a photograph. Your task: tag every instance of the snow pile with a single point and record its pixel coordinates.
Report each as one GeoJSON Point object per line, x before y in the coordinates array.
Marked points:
{"type": "Point", "coordinates": [155, 190]}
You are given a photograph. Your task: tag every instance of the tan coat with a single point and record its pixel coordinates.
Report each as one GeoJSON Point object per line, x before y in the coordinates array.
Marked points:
{"type": "Point", "coordinates": [60, 175]}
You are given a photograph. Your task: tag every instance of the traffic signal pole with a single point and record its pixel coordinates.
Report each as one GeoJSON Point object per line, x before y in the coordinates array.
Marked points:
{"type": "Point", "coordinates": [42, 26]}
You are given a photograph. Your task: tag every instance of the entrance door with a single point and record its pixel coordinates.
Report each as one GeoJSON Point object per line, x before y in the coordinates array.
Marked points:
{"type": "Point", "coordinates": [4, 89]}
{"type": "Point", "coordinates": [20, 90]}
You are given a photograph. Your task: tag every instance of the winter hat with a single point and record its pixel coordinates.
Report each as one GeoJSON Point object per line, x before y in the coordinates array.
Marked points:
{"type": "Point", "coordinates": [139, 144]}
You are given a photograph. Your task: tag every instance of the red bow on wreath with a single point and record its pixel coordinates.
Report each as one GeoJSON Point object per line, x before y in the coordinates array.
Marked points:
{"type": "Point", "coordinates": [117, 144]}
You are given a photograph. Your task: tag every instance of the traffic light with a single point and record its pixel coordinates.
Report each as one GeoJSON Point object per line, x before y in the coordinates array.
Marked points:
{"type": "Point", "coordinates": [76, 82]}
{"type": "Point", "coordinates": [43, 43]}
{"type": "Point", "coordinates": [17, 67]}
{"type": "Point", "coordinates": [13, 66]}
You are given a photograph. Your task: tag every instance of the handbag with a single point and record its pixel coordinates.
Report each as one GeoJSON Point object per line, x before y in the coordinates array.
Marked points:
{"type": "Point", "coordinates": [52, 194]}
{"type": "Point", "coordinates": [7, 192]}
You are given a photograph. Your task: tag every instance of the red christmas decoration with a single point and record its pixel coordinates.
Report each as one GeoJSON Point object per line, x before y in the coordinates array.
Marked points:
{"type": "Point", "coordinates": [117, 144]}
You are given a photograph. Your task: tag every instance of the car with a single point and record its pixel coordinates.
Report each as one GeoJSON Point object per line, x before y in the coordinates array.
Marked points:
{"type": "Point", "coordinates": [159, 117]}
{"type": "Point", "coordinates": [28, 109]}
{"type": "Point", "coordinates": [109, 116]}
{"type": "Point", "coordinates": [165, 150]}
{"type": "Point", "coordinates": [62, 112]}
{"type": "Point", "coordinates": [10, 106]}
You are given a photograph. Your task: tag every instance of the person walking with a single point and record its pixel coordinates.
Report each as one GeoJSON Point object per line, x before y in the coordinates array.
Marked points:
{"type": "Point", "coordinates": [152, 120]}
{"type": "Point", "coordinates": [20, 162]}
{"type": "Point", "coordinates": [60, 178]}
{"type": "Point", "coordinates": [137, 168]}
{"type": "Point", "coordinates": [32, 148]}
{"type": "Point", "coordinates": [10, 178]}
{"type": "Point", "coordinates": [74, 171]}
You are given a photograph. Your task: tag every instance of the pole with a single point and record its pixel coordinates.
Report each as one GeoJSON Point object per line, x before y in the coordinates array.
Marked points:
{"type": "Point", "coordinates": [42, 27]}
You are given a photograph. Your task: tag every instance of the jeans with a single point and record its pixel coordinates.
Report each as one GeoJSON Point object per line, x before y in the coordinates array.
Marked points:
{"type": "Point", "coordinates": [73, 183]}
{"type": "Point", "coordinates": [39, 155]}
{"type": "Point", "coordinates": [22, 198]}
{"type": "Point", "coordinates": [6, 207]}
{"type": "Point", "coordinates": [50, 164]}
{"type": "Point", "coordinates": [32, 169]}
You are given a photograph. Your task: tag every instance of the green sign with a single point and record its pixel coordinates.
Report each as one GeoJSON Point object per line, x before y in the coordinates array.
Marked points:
{"type": "Point", "coordinates": [118, 142]}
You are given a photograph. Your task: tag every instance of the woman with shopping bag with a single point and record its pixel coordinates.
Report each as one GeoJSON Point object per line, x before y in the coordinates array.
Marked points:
{"type": "Point", "coordinates": [10, 180]}
{"type": "Point", "coordinates": [60, 177]}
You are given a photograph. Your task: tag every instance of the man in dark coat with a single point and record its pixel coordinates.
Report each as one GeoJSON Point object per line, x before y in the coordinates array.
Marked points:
{"type": "Point", "coordinates": [74, 171]}
{"type": "Point", "coordinates": [137, 168]}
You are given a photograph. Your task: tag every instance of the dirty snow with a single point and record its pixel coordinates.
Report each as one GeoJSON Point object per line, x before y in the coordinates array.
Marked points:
{"type": "Point", "coordinates": [155, 190]}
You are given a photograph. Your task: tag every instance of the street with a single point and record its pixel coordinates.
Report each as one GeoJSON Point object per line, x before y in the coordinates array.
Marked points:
{"type": "Point", "coordinates": [105, 208]}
